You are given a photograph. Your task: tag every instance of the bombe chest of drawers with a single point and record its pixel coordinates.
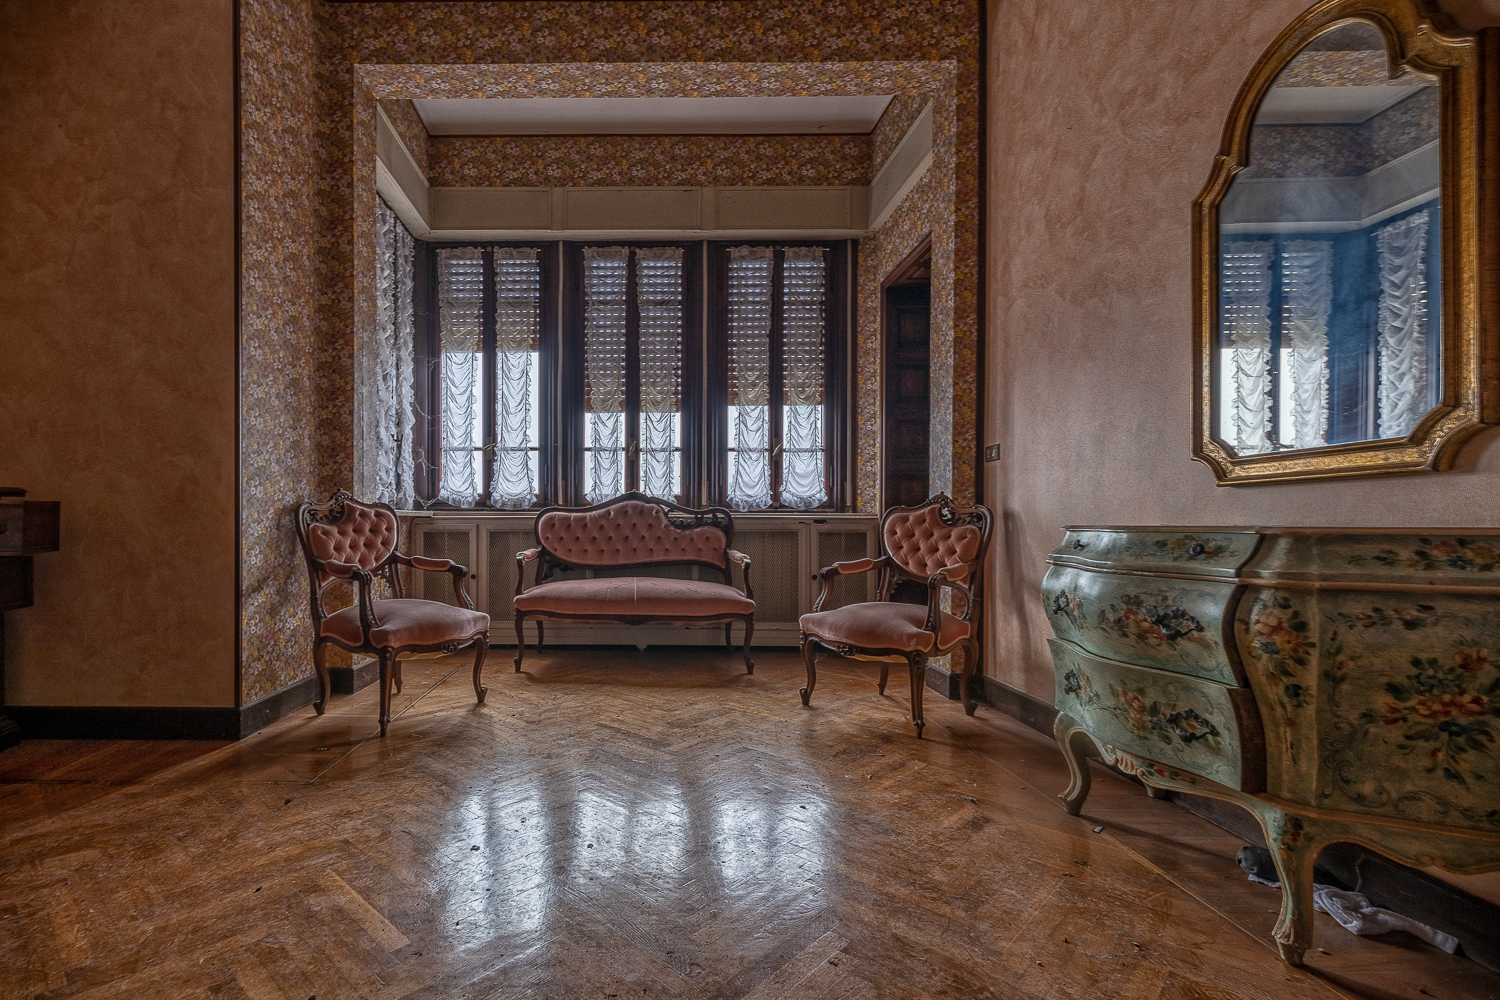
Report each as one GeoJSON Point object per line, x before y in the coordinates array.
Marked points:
{"type": "Point", "coordinates": [1341, 685]}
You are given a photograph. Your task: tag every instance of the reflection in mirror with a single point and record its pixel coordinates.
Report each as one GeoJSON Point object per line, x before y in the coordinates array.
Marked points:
{"type": "Point", "coordinates": [1330, 254]}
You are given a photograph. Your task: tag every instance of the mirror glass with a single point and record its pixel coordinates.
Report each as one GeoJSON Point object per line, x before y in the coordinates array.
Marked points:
{"type": "Point", "coordinates": [1330, 255]}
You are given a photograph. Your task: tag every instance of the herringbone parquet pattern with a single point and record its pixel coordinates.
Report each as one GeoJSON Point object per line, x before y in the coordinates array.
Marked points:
{"type": "Point", "coordinates": [615, 823]}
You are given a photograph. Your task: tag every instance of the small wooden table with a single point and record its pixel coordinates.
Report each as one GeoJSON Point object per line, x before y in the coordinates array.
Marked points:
{"type": "Point", "coordinates": [26, 528]}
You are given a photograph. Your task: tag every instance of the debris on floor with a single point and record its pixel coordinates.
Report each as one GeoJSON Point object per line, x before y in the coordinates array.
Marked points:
{"type": "Point", "coordinates": [1353, 910]}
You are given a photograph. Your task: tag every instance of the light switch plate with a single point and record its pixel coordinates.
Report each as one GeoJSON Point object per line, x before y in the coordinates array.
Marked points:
{"type": "Point", "coordinates": [992, 453]}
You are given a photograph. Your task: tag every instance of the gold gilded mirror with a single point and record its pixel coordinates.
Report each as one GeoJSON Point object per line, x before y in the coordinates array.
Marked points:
{"type": "Point", "coordinates": [1340, 265]}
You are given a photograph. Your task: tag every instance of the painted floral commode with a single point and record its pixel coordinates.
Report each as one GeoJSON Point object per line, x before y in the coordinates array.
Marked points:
{"type": "Point", "coordinates": [1342, 685]}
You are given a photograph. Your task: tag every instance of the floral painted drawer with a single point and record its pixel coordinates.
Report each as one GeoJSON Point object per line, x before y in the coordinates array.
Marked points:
{"type": "Point", "coordinates": [1185, 722]}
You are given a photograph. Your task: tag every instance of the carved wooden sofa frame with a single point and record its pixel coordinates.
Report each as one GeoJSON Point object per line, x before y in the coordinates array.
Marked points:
{"type": "Point", "coordinates": [633, 531]}
{"type": "Point", "coordinates": [370, 533]}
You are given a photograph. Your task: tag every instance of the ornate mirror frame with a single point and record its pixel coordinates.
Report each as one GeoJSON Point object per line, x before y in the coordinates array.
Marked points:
{"type": "Point", "coordinates": [1419, 37]}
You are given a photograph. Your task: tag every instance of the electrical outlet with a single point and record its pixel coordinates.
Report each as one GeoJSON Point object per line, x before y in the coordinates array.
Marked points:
{"type": "Point", "coordinates": [992, 453]}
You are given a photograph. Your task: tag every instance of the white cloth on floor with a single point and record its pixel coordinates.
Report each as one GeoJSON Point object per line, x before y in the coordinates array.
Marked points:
{"type": "Point", "coordinates": [1354, 913]}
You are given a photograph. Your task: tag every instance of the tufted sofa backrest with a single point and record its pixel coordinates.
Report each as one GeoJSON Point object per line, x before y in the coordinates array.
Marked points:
{"type": "Point", "coordinates": [921, 544]}
{"type": "Point", "coordinates": [629, 532]}
{"type": "Point", "coordinates": [363, 536]}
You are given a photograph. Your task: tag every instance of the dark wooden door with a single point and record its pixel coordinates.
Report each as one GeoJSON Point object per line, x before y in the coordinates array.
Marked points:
{"type": "Point", "coordinates": [908, 316]}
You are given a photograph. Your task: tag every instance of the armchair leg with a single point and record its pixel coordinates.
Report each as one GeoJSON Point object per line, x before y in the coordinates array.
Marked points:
{"type": "Point", "coordinates": [396, 673]}
{"type": "Point", "coordinates": [541, 634]}
{"type": "Point", "coordinates": [971, 658]}
{"type": "Point", "coordinates": [745, 651]}
{"type": "Point", "coordinates": [520, 641]}
{"type": "Point", "coordinates": [728, 645]}
{"type": "Point", "coordinates": [481, 647]}
{"type": "Point", "coordinates": [918, 661]}
{"type": "Point", "coordinates": [810, 658]}
{"type": "Point", "coordinates": [387, 661]}
{"type": "Point", "coordinates": [320, 664]}
{"type": "Point", "coordinates": [885, 675]}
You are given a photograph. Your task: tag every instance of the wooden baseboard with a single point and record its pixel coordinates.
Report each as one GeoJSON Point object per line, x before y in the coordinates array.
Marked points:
{"type": "Point", "coordinates": [347, 680]}
{"type": "Point", "coordinates": [1030, 711]}
{"type": "Point", "coordinates": [75, 722]}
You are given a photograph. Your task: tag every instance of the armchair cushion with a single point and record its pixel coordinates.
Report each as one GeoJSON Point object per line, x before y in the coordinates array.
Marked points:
{"type": "Point", "coordinates": [922, 544]}
{"type": "Point", "coordinates": [882, 625]}
{"type": "Point", "coordinates": [627, 596]}
{"type": "Point", "coordinates": [405, 622]}
{"type": "Point", "coordinates": [363, 536]}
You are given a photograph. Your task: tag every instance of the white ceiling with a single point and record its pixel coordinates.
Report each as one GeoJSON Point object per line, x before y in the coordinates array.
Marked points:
{"type": "Point", "coordinates": [651, 115]}
{"type": "Point", "coordinates": [1327, 105]}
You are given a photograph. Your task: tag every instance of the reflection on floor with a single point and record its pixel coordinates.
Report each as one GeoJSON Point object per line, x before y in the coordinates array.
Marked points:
{"type": "Point", "coordinates": [616, 823]}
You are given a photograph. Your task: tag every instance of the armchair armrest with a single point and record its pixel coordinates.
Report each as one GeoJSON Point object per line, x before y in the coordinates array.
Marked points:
{"type": "Point", "coordinates": [431, 565]}
{"type": "Point", "coordinates": [736, 556]}
{"type": "Point", "coordinates": [935, 584]}
{"type": "Point", "coordinates": [522, 558]}
{"type": "Point", "coordinates": [363, 580]}
{"type": "Point", "coordinates": [846, 568]}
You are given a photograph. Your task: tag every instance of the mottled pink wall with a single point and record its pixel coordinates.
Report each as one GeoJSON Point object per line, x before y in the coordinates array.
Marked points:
{"type": "Point", "coordinates": [1103, 124]}
{"type": "Point", "coordinates": [117, 395]}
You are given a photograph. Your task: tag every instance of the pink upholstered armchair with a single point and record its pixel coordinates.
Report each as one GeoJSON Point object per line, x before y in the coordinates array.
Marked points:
{"type": "Point", "coordinates": [935, 544]}
{"type": "Point", "coordinates": [345, 539]}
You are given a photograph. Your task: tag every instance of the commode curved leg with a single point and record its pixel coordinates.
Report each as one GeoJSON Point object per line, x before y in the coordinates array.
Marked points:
{"type": "Point", "coordinates": [810, 659]}
{"type": "Point", "coordinates": [520, 641]}
{"type": "Point", "coordinates": [481, 647]}
{"type": "Point", "coordinates": [320, 664]}
{"type": "Point", "coordinates": [1067, 729]}
{"type": "Point", "coordinates": [918, 660]}
{"type": "Point", "coordinates": [1294, 850]}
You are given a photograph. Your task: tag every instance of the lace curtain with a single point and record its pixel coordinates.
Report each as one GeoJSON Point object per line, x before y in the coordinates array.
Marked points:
{"type": "Point", "coordinates": [1245, 388]}
{"type": "Point", "coordinates": [659, 277]}
{"type": "Point", "coordinates": [518, 308]}
{"type": "Point", "coordinates": [460, 308]}
{"type": "Point", "coordinates": [1402, 326]}
{"type": "Point", "coordinates": [395, 469]}
{"type": "Point", "coordinates": [1306, 300]}
{"type": "Point", "coordinates": [605, 274]}
{"type": "Point", "coordinates": [750, 275]}
{"type": "Point", "coordinates": [803, 279]}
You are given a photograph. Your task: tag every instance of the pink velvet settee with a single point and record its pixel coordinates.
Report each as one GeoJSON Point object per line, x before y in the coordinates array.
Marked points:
{"type": "Point", "coordinates": [633, 532]}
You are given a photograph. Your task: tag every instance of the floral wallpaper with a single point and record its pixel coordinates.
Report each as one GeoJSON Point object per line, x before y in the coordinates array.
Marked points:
{"type": "Point", "coordinates": [1346, 150]}
{"type": "Point", "coordinates": [279, 343]}
{"type": "Point", "coordinates": [649, 160]}
{"type": "Point", "coordinates": [412, 132]}
{"type": "Point", "coordinates": [311, 73]}
{"type": "Point", "coordinates": [891, 128]}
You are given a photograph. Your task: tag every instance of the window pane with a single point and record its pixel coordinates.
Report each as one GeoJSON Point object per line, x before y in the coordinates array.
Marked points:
{"type": "Point", "coordinates": [1245, 372]}
{"type": "Point", "coordinates": [518, 306]}
{"type": "Point", "coordinates": [750, 273]}
{"type": "Point", "coordinates": [1402, 250]}
{"type": "Point", "coordinates": [460, 337]}
{"type": "Point", "coordinates": [604, 283]}
{"type": "Point", "coordinates": [803, 483]}
{"type": "Point", "coordinates": [659, 292]}
{"type": "Point", "coordinates": [1306, 299]}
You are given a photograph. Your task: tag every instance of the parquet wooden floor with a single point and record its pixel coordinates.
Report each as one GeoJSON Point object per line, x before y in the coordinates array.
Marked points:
{"type": "Point", "coordinates": [615, 823]}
